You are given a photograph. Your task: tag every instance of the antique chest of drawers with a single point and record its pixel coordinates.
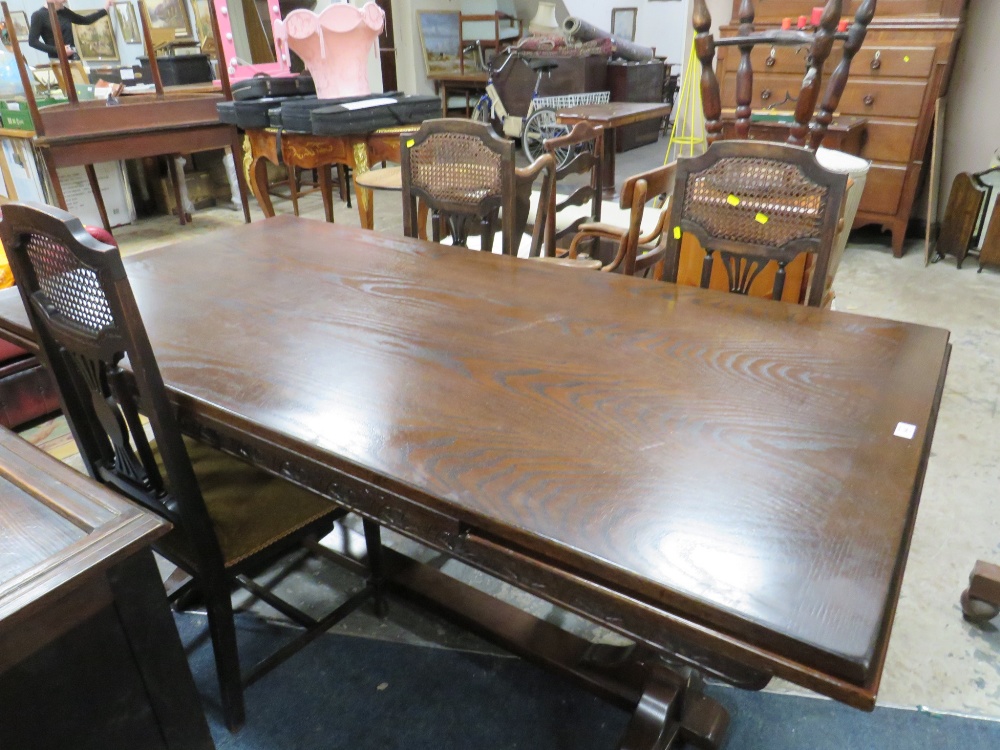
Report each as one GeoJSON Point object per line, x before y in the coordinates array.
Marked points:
{"type": "Point", "coordinates": [895, 81]}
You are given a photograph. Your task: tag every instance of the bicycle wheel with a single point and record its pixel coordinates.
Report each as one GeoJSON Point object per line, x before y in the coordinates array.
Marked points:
{"type": "Point", "coordinates": [540, 127]}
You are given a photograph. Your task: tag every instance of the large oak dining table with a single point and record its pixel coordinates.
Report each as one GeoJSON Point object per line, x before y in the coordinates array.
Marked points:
{"type": "Point", "coordinates": [730, 483]}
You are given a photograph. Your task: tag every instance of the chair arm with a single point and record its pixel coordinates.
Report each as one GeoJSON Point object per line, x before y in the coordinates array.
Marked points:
{"type": "Point", "coordinates": [608, 231]}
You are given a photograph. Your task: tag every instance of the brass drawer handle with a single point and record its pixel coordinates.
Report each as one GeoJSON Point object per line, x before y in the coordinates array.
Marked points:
{"type": "Point", "coordinates": [877, 60]}
{"type": "Point", "coordinates": [771, 59]}
{"type": "Point", "coordinates": [765, 95]}
{"type": "Point", "coordinates": [869, 100]}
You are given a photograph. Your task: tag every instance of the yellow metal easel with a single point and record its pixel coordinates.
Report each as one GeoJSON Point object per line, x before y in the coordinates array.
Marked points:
{"type": "Point", "coordinates": [687, 136]}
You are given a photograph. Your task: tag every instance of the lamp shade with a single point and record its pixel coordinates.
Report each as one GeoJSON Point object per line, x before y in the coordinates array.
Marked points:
{"type": "Point", "coordinates": [544, 21]}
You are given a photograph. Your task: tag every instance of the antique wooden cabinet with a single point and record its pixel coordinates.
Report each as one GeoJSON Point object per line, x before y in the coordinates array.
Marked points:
{"type": "Point", "coordinates": [895, 81]}
{"type": "Point", "coordinates": [637, 82]}
{"type": "Point", "coordinates": [89, 654]}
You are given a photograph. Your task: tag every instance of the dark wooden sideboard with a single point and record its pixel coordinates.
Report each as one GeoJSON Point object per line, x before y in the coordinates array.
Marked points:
{"type": "Point", "coordinates": [896, 78]}
{"type": "Point", "coordinates": [637, 82]}
{"type": "Point", "coordinates": [89, 654]}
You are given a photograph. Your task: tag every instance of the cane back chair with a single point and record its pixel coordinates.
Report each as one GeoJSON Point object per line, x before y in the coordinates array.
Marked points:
{"type": "Point", "coordinates": [228, 517]}
{"type": "Point", "coordinates": [750, 203]}
{"type": "Point", "coordinates": [465, 175]}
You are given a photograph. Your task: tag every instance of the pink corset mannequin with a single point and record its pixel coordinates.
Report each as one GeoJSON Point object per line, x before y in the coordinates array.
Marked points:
{"type": "Point", "coordinates": [334, 45]}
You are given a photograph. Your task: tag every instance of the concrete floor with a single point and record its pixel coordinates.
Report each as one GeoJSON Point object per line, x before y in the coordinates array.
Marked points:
{"type": "Point", "coordinates": [936, 660]}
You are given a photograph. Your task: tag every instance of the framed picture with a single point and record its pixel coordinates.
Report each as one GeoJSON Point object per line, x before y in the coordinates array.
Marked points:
{"type": "Point", "coordinates": [441, 41]}
{"type": "Point", "coordinates": [623, 23]}
{"type": "Point", "coordinates": [127, 22]}
{"type": "Point", "coordinates": [170, 14]}
{"type": "Point", "coordinates": [203, 22]}
{"type": "Point", "coordinates": [95, 41]}
{"type": "Point", "coordinates": [20, 20]}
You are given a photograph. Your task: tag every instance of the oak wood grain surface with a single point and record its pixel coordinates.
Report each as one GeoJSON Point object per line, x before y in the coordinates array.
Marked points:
{"type": "Point", "coordinates": [727, 460]}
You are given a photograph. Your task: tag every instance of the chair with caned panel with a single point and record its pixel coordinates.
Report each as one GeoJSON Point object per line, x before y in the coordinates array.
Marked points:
{"type": "Point", "coordinates": [229, 518]}
{"type": "Point", "coordinates": [814, 103]}
{"type": "Point", "coordinates": [464, 174]}
{"type": "Point", "coordinates": [749, 203]}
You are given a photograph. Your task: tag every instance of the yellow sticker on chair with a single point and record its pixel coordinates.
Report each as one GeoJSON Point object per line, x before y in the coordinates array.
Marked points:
{"type": "Point", "coordinates": [410, 143]}
{"type": "Point", "coordinates": [732, 200]}
{"type": "Point", "coordinates": [906, 58]}
{"type": "Point", "coordinates": [677, 233]}
{"type": "Point", "coordinates": [760, 218]}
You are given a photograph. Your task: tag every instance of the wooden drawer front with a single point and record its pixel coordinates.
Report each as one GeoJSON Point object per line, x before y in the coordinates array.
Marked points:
{"type": "Point", "coordinates": [870, 98]}
{"type": "Point", "coordinates": [892, 62]}
{"type": "Point", "coordinates": [889, 141]}
{"type": "Point", "coordinates": [767, 90]}
{"type": "Point", "coordinates": [786, 60]}
{"type": "Point", "coordinates": [883, 189]}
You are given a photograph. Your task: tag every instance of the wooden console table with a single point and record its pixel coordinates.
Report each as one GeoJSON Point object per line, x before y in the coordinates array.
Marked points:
{"type": "Point", "coordinates": [319, 152]}
{"type": "Point", "coordinates": [181, 120]}
{"type": "Point", "coordinates": [89, 653]}
{"type": "Point", "coordinates": [611, 117]}
{"type": "Point", "coordinates": [145, 125]}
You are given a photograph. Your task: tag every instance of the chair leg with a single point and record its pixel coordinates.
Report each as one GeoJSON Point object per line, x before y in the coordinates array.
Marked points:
{"type": "Point", "coordinates": [376, 565]}
{"type": "Point", "coordinates": [293, 188]}
{"type": "Point", "coordinates": [344, 175]}
{"type": "Point", "coordinates": [222, 628]}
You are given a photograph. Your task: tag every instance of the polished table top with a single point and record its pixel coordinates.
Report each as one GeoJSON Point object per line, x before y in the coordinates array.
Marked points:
{"type": "Point", "coordinates": [730, 462]}
{"type": "Point", "coordinates": [614, 114]}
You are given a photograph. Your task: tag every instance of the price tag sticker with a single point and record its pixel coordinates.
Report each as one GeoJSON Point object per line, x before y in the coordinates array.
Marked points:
{"type": "Point", "coordinates": [677, 233]}
{"type": "Point", "coordinates": [732, 200]}
{"type": "Point", "coordinates": [906, 58]}
{"type": "Point", "coordinates": [905, 430]}
{"type": "Point", "coordinates": [761, 218]}
{"type": "Point", "coordinates": [410, 143]}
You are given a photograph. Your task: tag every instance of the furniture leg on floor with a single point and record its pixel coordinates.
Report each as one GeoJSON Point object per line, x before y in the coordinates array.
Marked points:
{"type": "Point", "coordinates": [981, 601]}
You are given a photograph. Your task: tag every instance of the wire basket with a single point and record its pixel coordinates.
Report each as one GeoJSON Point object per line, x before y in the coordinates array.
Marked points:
{"type": "Point", "coordinates": [571, 100]}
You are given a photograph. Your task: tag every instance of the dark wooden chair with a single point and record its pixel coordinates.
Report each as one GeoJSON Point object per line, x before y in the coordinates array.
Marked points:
{"type": "Point", "coordinates": [464, 174]}
{"type": "Point", "coordinates": [810, 124]}
{"type": "Point", "coordinates": [228, 517]}
{"type": "Point", "coordinates": [584, 148]}
{"type": "Point", "coordinates": [750, 203]}
{"type": "Point", "coordinates": [641, 246]}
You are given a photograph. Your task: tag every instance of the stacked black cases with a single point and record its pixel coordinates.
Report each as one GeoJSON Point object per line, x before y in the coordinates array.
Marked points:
{"type": "Point", "coordinates": [296, 113]}
{"type": "Point", "coordinates": [366, 116]}
{"type": "Point", "coordinates": [261, 87]}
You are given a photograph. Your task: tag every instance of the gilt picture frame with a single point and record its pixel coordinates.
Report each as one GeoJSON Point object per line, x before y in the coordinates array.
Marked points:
{"type": "Point", "coordinates": [203, 22]}
{"type": "Point", "coordinates": [170, 14]}
{"type": "Point", "coordinates": [21, 27]}
{"type": "Point", "coordinates": [95, 41]}
{"type": "Point", "coordinates": [128, 23]}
